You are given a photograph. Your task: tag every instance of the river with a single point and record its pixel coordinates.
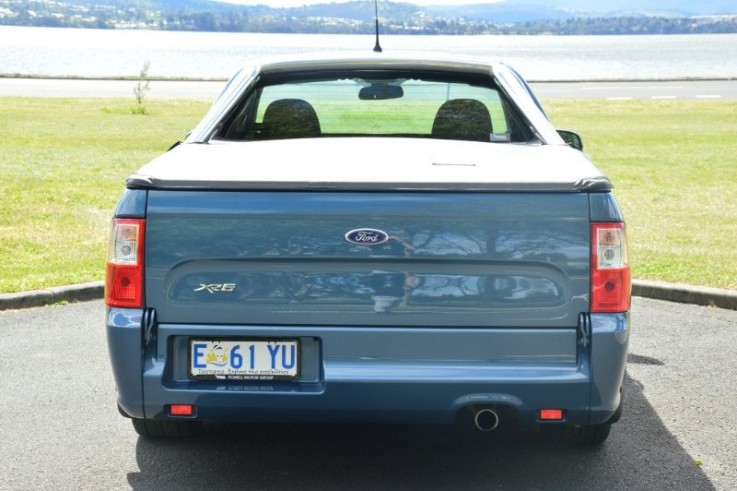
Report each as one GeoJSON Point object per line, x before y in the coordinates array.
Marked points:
{"type": "Point", "coordinates": [54, 52]}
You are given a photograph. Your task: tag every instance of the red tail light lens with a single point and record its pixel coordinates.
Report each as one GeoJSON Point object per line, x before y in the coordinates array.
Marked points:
{"type": "Point", "coordinates": [610, 270]}
{"type": "Point", "coordinates": [551, 415]}
{"type": "Point", "coordinates": [124, 274]}
{"type": "Point", "coordinates": [181, 410]}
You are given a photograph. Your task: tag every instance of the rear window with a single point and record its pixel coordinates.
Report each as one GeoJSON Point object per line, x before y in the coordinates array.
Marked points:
{"type": "Point", "coordinates": [374, 104]}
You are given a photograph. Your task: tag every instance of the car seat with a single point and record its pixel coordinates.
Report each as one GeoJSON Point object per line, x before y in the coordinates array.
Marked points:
{"type": "Point", "coordinates": [462, 119]}
{"type": "Point", "coordinates": [290, 118]}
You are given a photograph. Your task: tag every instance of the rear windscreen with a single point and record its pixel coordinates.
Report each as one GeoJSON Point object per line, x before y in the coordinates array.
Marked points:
{"type": "Point", "coordinates": [375, 104]}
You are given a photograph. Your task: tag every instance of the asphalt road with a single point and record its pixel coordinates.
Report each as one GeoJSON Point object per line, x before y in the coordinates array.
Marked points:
{"type": "Point", "coordinates": [657, 90]}
{"type": "Point", "coordinates": [59, 428]}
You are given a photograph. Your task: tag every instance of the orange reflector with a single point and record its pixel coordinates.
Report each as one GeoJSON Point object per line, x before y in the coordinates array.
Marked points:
{"type": "Point", "coordinates": [551, 414]}
{"type": "Point", "coordinates": [181, 410]}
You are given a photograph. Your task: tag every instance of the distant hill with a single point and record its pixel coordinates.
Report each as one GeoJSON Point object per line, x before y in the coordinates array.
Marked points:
{"type": "Point", "coordinates": [504, 17]}
{"type": "Point", "coordinates": [518, 11]}
{"type": "Point", "coordinates": [636, 7]}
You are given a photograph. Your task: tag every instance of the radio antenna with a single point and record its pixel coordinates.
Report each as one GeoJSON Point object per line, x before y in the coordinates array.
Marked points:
{"type": "Point", "coordinates": [377, 46]}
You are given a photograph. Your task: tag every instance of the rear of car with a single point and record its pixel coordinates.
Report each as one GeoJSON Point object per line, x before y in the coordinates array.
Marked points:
{"type": "Point", "coordinates": [370, 240]}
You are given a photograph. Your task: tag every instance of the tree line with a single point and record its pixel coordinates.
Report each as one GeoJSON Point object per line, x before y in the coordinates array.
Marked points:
{"type": "Point", "coordinates": [53, 14]}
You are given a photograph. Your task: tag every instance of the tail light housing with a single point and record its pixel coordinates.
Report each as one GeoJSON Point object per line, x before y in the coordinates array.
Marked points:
{"type": "Point", "coordinates": [124, 272]}
{"type": "Point", "coordinates": [610, 271]}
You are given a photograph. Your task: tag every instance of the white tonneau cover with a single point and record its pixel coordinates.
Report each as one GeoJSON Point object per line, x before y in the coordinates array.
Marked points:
{"type": "Point", "coordinates": [380, 164]}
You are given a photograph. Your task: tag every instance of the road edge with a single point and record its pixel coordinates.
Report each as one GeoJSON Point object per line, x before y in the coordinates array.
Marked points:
{"type": "Point", "coordinates": [659, 290]}
{"type": "Point", "coordinates": [682, 293]}
{"type": "Point", "coordinates": [50, 296]}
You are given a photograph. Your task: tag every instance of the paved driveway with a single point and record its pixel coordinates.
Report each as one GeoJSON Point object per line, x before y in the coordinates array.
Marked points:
{"type": "Point", "coordinates": [161, 89]}
{"type": "Point", "coordinates": [59, 428]}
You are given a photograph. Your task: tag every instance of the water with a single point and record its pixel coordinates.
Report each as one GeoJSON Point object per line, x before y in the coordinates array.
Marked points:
{"type": "Point", "coordinates": [113, 53]}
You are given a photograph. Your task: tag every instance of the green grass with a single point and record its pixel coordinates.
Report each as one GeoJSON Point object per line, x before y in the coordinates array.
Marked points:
{"type": "Point", "coordinates": [674, 167]}
{"type": "Point", "coordinates": [64, 162]}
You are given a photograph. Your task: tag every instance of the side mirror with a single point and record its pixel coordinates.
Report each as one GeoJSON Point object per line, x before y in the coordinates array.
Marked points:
{"type": "Point", "coordinates": [572, 139]}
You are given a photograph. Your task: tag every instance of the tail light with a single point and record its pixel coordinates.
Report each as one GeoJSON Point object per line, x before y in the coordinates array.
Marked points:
{"type": "Point", "coordinates": [550, 415]}
{"type": "Point", "coordinates": [181, 410]}
{"type": "Point", "coordinates": [124, 274]}
{"type": "Point", "coordinates": [610, 270]}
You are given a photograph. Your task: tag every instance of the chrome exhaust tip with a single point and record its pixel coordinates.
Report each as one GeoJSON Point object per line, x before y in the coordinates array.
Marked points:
{"type": "Point", "coordinates": [486, 419]}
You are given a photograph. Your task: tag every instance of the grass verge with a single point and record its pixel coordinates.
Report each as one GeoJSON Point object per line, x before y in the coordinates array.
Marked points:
{"type": "Point", "coordinates": [674, 170]}
{"type": "Point", "coordinates": [64, 162]}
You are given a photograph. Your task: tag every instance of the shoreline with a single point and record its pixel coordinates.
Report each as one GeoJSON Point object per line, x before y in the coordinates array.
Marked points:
{"type": "Point", "coordinates": [124, 78]}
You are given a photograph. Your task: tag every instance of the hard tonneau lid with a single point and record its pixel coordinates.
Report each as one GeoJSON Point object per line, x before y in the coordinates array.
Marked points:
{"type": "Point", "coordinates": [375, 164]}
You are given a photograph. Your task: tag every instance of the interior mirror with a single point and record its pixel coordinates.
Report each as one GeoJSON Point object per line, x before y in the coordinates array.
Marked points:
{"type": "Point", "coordinates": [380, 92]}
{"type": "Point", "coordinates": [572, 139]}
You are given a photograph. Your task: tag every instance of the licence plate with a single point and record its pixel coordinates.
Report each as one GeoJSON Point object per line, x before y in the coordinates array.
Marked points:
{"type": "Point", "coordinates": [244, 359]}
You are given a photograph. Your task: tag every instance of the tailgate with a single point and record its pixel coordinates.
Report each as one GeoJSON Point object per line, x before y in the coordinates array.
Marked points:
{"type": "Point", "coordinates": [447, 260]}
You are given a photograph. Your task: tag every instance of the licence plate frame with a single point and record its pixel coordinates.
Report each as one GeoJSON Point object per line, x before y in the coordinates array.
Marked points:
{"type": "Point", "coordinates": [244, 359]}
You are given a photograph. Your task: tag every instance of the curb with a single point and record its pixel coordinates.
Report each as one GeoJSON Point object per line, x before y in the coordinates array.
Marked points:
{"type": "Point", "coordinates": [681, 293]}
{"type": "Point", "coordinates": [671, 292]}
{"type": "Point", "coordinates": [50, 296]}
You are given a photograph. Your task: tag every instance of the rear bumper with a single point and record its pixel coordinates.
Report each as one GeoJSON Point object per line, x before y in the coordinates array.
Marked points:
{"type": "Point", "coordinates": [385, 375]}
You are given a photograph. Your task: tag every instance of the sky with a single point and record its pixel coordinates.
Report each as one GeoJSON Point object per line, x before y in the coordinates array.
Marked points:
{"type": "Point", "coordinates": [299, 3]}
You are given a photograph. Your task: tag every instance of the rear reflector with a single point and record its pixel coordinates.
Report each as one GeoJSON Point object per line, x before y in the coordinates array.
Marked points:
{"type": "Point", "coordinates": [551, 415]}
{"type": "Point", "coordinates": [610, 270]}
{"type": "Point", "coordinates": [181, 410]}
{"type": "Point", "coordinates": [124, 272]}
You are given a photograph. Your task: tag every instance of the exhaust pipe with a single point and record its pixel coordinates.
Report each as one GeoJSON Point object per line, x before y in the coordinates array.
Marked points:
{"type": "Point", "coordinates": [486, 419]}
